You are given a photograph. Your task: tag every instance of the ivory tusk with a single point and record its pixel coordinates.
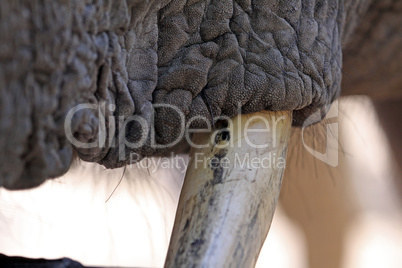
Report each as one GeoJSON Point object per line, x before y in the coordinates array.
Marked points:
{"type": "Point", "coordinates": [230, 192]}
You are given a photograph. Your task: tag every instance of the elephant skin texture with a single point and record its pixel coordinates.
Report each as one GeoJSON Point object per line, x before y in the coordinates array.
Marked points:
{"type": "Point", "coordinates": [118, 73]}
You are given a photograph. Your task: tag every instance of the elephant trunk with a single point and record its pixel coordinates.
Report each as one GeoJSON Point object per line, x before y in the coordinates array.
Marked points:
{"type": "Point", "coordinates": [118, 80]}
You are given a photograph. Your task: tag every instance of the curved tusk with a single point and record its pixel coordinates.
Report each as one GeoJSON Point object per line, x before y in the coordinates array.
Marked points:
{"type": "Point", "coordinates": [230, 192]}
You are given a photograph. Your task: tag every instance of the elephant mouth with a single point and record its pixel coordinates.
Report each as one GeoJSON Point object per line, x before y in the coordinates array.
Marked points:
{"type": "Point", "coordinates": [130, 71]}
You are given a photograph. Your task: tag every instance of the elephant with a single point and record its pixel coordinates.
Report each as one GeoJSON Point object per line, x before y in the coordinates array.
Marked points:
{"type": "Point", "coordinates": [132, 54]}
{"type": "Point", "coordinates": [89, 79]}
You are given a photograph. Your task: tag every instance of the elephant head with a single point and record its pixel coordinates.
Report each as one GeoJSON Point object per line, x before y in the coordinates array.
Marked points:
{"type": "Point", "coordinates": [117, 81]}
{"type": "Point", "coordinates": [113, 79]}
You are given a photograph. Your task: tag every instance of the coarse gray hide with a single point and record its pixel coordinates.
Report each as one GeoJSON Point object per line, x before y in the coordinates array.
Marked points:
{"type": "Point", "coordinates": [142, 69]}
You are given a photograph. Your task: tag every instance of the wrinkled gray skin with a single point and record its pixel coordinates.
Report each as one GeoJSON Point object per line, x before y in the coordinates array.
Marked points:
{"type": "Point", "coordinates": [265, 54]}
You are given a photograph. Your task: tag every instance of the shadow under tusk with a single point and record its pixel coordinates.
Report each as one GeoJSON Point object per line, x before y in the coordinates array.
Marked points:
{"type": "Point", "coordinates": [230, 192]}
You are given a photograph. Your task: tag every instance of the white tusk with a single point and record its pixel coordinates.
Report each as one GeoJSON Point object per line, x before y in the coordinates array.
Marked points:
{"type": "Point", "coordinates": [230, 192]}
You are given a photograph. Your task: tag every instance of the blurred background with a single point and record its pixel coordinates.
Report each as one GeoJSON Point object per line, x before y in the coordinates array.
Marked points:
{"type": "Point", "coordinates": [348, 216]}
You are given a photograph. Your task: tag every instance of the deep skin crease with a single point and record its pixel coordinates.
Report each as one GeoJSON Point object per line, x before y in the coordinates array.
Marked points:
{"type": "Point", "coordinates": [206, 58]}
